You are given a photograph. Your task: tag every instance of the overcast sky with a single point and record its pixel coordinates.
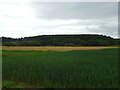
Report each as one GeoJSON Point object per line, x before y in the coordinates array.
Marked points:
{"type": "Point", "coordinates": [22, 19]}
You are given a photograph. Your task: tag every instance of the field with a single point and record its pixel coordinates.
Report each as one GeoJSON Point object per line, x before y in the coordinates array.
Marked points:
{"type": "Point", "coordinates": [54, 48]}
{"type": "Point", "coordinates": [60, 69]}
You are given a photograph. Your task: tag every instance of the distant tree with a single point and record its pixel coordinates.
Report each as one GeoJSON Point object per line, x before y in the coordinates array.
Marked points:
{"type": "Point", "coordinates": [9, 44]}
{"type": "Point", "coordinates": [63, 40]}
{"type": "Point", "coordinates": [29, 43]}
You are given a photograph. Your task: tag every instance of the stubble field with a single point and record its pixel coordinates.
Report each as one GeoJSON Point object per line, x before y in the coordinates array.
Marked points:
{"type": "Point", "coordinates": [53, 48]}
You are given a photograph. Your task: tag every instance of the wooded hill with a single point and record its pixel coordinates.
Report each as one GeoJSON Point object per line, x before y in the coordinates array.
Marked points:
{"type": "Point", "coordinates": [62, 40]}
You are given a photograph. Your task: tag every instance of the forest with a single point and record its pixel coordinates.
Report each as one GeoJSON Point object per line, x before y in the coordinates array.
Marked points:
{"type": "Point", "coordinates": [62, 40]}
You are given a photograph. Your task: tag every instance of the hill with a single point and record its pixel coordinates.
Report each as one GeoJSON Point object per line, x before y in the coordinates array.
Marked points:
{"type": "Point", "coordinates": [61, 40]}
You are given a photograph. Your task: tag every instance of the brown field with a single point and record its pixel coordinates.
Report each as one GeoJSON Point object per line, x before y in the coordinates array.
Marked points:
{"type": "Point", "coordinates": [53, 48]}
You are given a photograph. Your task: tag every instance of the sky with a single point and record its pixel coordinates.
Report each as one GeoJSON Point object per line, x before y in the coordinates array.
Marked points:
{"type": "Point", "coordinates": [23, 19]}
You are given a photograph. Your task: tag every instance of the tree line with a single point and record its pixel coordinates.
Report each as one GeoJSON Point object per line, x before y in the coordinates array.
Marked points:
{"type": "Point", "coordinates": [62, 40]}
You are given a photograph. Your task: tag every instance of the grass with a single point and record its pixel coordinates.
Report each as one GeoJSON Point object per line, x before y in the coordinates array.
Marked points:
{"type": "Point", "coordinates": [68, 69]}
{"type": "Point", "coordinates": [8, 84]}
{"type": "Point", "coordinates": [13, 84]}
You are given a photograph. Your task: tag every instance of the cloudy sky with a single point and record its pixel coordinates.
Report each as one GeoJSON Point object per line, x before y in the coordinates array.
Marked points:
{"type": "Point", "coordinates": [22, 19]}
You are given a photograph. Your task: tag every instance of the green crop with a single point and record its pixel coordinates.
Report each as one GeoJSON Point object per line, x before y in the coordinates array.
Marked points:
{"type": "Point", "coordinates": [68, 69]}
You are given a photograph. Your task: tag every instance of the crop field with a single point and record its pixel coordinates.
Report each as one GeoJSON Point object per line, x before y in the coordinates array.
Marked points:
{"type": "Point", "coordinates": [60, 69]}
{"type": "Point", "coordinates": [54, 48]}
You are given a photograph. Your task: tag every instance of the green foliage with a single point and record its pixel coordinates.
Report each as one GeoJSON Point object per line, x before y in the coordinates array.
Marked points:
{"type": "Point", "coordinates": [63, 40]}
{"type": "Point", "coordinates": [13, 84]}
{"type": "Point", "coordinates": [76, 69]}
{"type": "Point", "coordinates": [8, 84]}
{"type": "Point", "coordinates": [10, 44]}
{"type": "Point", "coordinates": [22, 85]}
{"type": "Point", "coordinates": [29, 43]}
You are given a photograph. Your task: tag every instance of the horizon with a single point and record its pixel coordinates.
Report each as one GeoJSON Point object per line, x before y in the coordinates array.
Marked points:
{"type": "Point", "coordinates": [62, 34]}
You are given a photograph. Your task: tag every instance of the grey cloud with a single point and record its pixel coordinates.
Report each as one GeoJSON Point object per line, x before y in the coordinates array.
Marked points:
{"type": "Point", "coordinates": [47, 17]}
{"type": "Point", "coordinates": [74, 10]}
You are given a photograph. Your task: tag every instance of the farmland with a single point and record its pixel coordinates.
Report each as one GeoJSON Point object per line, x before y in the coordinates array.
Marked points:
{"type": "Point", "coordinates": [61, 69]}
{"type": "Point", "coordinates": [54, 48]}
